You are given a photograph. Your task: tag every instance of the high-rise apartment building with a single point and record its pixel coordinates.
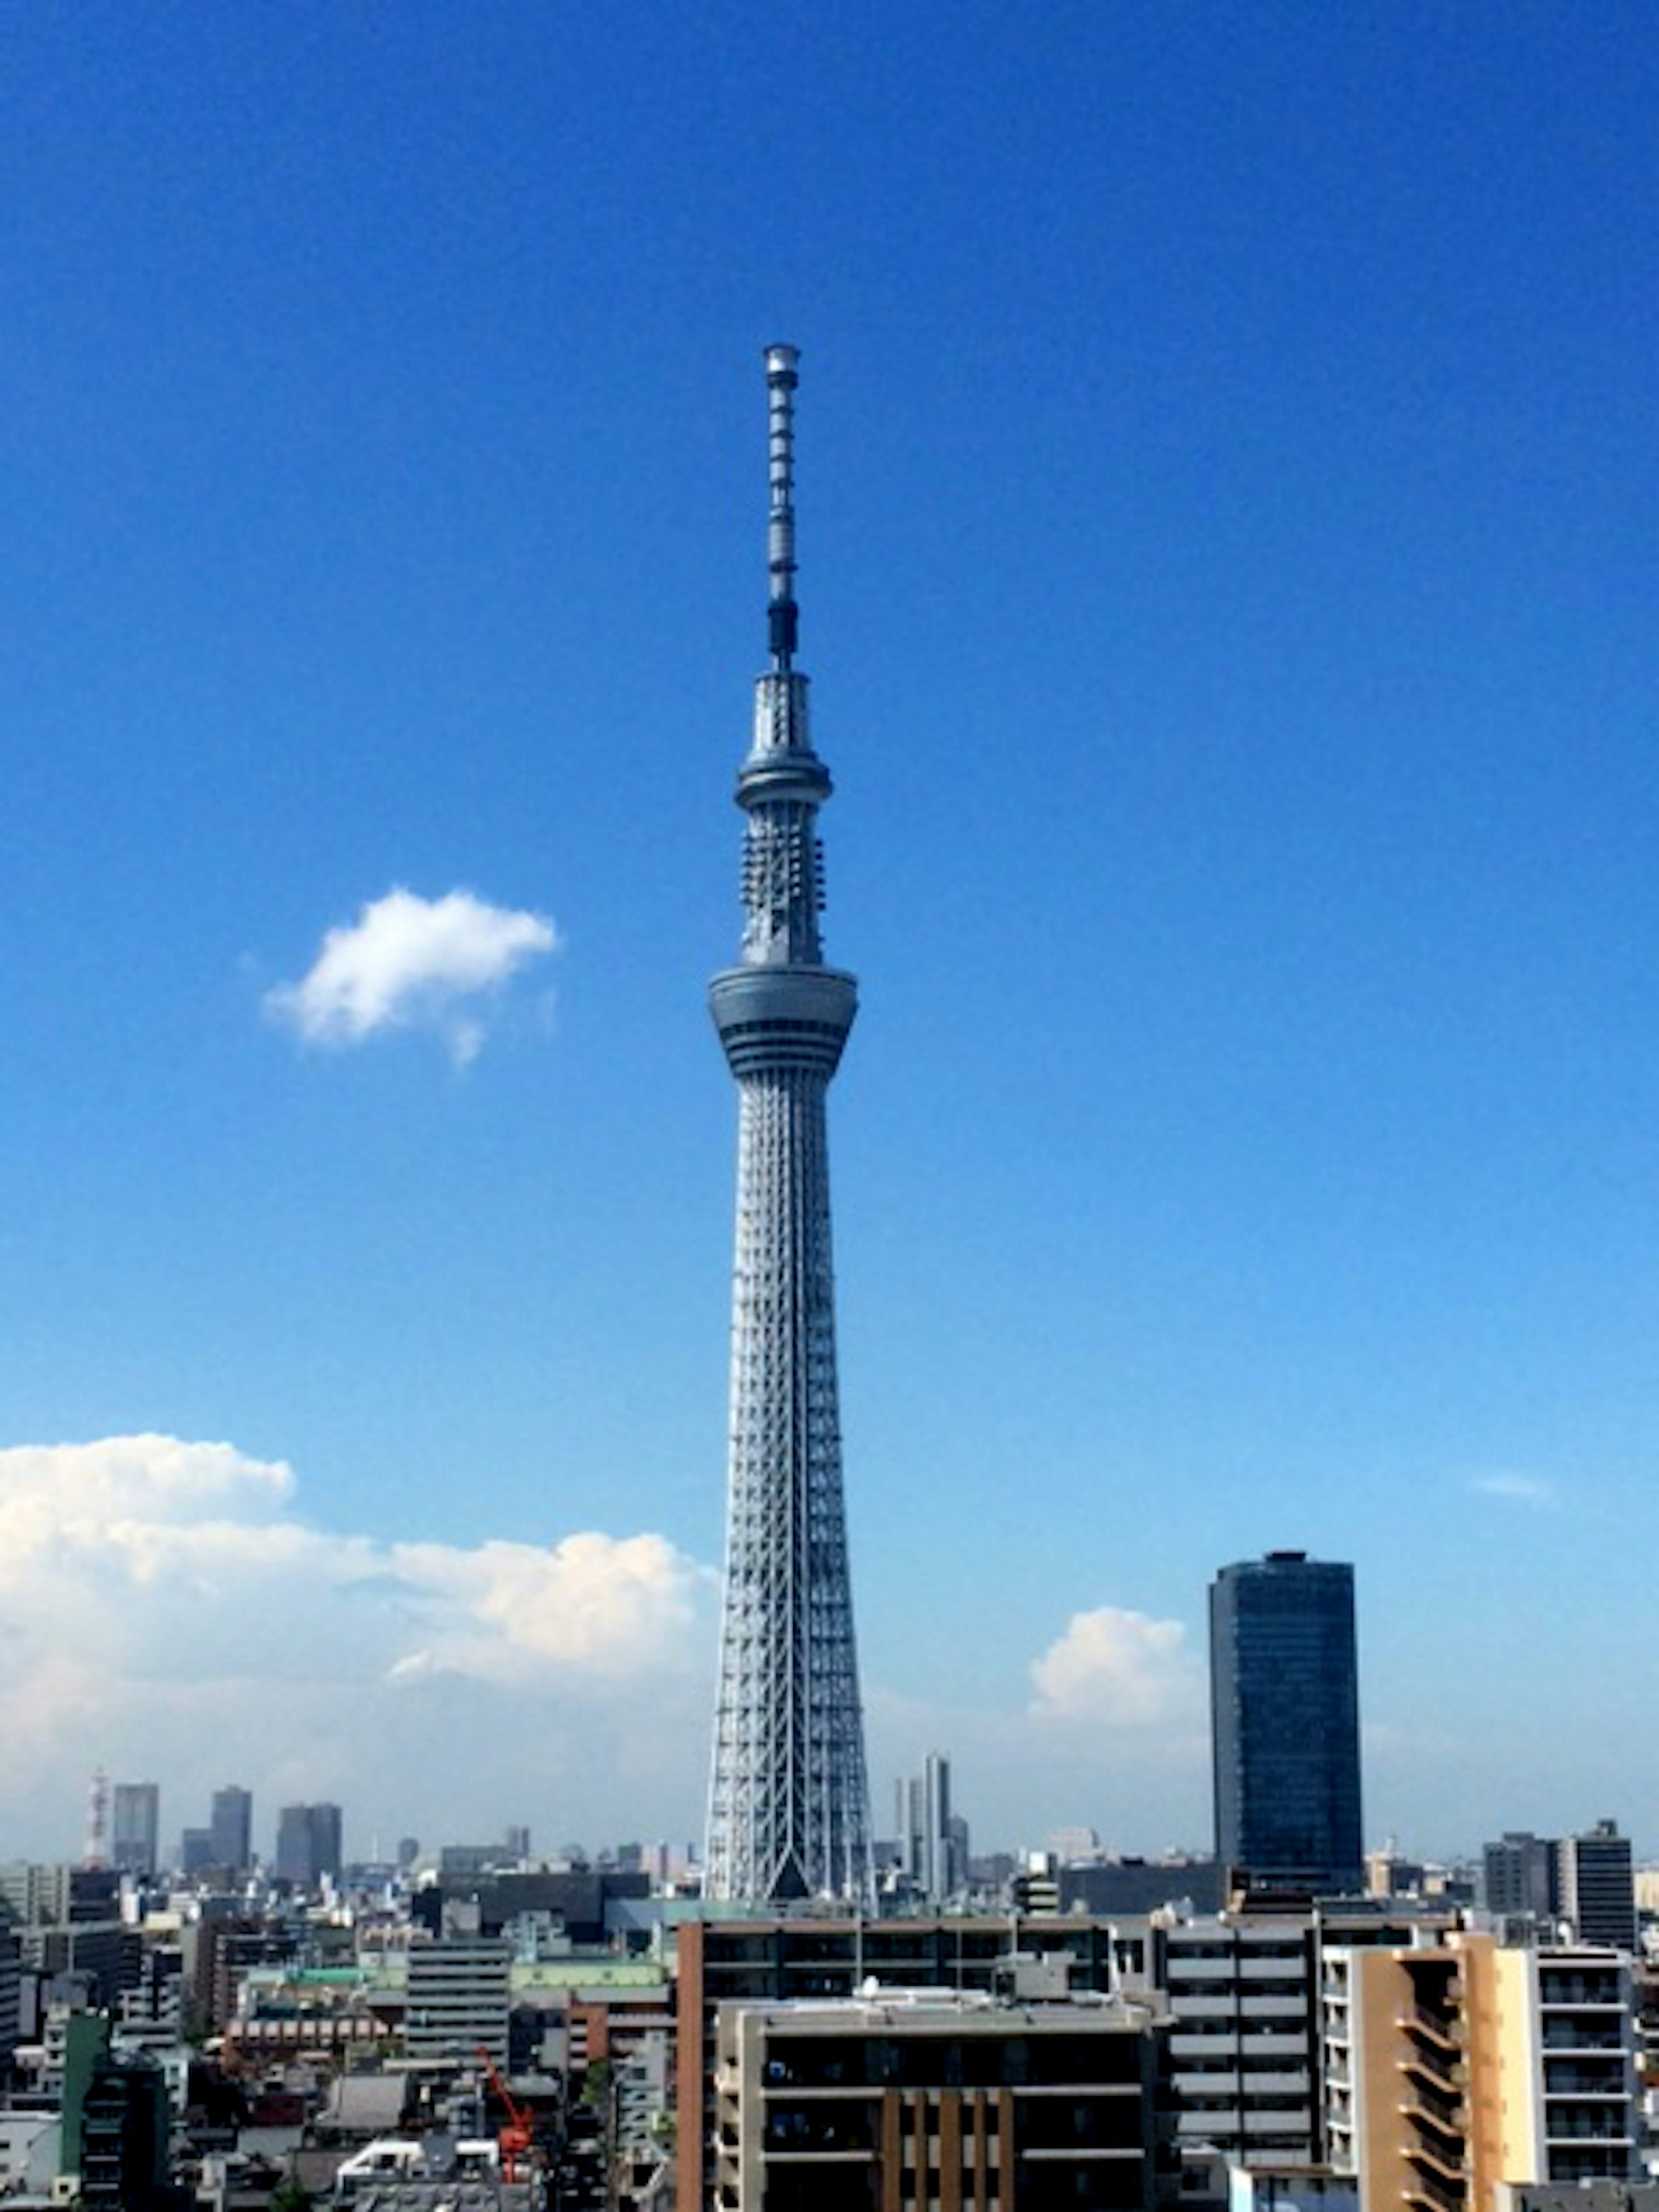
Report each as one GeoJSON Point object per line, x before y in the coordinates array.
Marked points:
{"type": "Point", "coordinates": [1453, 2071]}
{"type": "Point", "coordinates": [1242, 1997]}
{"type": "Point", "coordinates": [134, 1828]}
{"type": "Point", "coordinates": [230, 1825]}
{"type": "Point", "coordinates": [943, 2102]}
{"type": "Point", "coordinates": [1285, 1709]}
{"type": "Point", "coordinates": [810, 1955]}
{"type": "Point", "coordinates": [788, 1806]}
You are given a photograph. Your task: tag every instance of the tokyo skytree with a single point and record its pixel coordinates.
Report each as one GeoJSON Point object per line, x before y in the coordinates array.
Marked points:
{"type": "Point", "coordinates": [788, 1806]}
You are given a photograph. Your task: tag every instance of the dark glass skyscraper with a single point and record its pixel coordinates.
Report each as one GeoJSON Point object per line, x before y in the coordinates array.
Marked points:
{"type": "Point", "coordinates": [1285, 1716]}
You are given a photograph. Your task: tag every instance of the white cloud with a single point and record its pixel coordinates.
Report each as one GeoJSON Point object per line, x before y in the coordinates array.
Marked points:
{"type": "Point", "coordinates": [1118, 1670]}
{"type": "Point", "coordinates": [411, 963]}
{"type": "Point", "coordinates": [168, 1612]}
{"type": "Point", "coordinates": [1518, 1489]}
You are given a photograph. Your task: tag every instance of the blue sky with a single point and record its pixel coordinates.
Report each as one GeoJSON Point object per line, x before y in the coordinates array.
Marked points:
{"type": "Point", "coordinates": [1227, 481]}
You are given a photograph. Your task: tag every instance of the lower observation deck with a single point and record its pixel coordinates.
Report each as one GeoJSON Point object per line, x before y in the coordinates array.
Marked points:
{"type": "Point", "coordinates": [783, 1016]}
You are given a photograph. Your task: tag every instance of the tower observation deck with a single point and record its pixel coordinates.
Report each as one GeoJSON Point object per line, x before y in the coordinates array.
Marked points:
{"type": "Point", "coordinates": [788, 1803]}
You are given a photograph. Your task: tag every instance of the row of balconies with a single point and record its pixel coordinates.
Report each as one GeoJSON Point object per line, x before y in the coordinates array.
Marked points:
{"type": "Point", "coordinates": [1579, 1991]}
{"type": "Point", "coordinates": [1560, 2128]}
{"type": "Point", "coordinates": [1257, 2006]}
{"type": "Point", "coordinates": [1209, 2087]}
{"type": "Point", "coordinates": [1196, 1967]}
{"type": "Point", "coordinates": [1188, 2040]}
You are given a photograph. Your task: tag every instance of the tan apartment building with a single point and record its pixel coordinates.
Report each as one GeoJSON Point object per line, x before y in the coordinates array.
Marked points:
{"type": "Point", "coordinates": [1455, 2067]}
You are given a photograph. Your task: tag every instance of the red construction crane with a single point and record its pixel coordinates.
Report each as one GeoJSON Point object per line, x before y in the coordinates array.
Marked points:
{"type": "Point", "coordinates": [516, 2133]}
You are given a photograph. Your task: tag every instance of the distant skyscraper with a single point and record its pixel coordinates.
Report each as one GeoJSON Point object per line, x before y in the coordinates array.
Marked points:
{"type": "Point", "coordinates": [1596, 1885]}
{"type": "Point", "coordinates": [1285, 1707]}
{"type": "Point", "coordinates": [230, 1822]}
{"type": "Point", "coordinates": [308, 1844]}
{"type": "Point", "coordinates": [788, 1810]}
{"type": "Point", "coordinates": [1518, 1877]}
{"type": "Point", "coordinates": [927, 1842]}
{"type": "Point", "coordinates": [135, 1826]}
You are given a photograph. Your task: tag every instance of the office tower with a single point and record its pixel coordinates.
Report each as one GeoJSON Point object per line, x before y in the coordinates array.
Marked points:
{"type": "Point", "coordinates": [308, 1844]}
{"type": "Point", "coordinates": [195, 1851]}
{"type": "Point", "coordinates": [927, 1851]}
{"type": "Point", "coordinates": [1596, 1886]}
{"type": "Point", "coordinates": [788, 1810]}
{"type": "Point", "coordinates": [1284, 1709]}
{"type": "Point", "coordinates": [1517, 1876]}
{"type": "Point", "coordinates": [458, 1990]}
{"type": "Point", "coordinates": [230, 1823]}
{"type": "Point", "coordinates": [326, 1851]}
{"type": "Point", "coordinates": [134, 1828]}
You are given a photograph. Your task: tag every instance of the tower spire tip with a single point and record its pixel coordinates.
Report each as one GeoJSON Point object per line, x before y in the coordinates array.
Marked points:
{"type": "Point", "coordinates": [783, 616]}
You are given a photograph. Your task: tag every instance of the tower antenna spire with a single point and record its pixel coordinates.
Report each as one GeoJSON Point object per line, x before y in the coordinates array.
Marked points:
{"type": "Point", "coordinates": [782, 615]}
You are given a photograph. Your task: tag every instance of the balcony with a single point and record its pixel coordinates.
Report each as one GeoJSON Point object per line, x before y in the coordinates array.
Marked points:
{"type": "Point", "coordinates": [1441, 2032]}
{"type": "Point", "coordinates": [1439, 2075]}
{"type": "Point", "coordinates": [1446, 2122]}
{"type": "Point", "coordinates": [1597, 1993]}
{"type": "Point", "coordinates": [1454, 2170]}
{"type": "Point", "coordinates": [1430, 2195]}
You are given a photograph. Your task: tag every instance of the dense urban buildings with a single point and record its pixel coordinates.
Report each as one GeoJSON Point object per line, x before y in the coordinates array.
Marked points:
{"type": "Point", "coordinates": [788, 1810]}
{"type": "Point", "coordinates": [1284, 1705]}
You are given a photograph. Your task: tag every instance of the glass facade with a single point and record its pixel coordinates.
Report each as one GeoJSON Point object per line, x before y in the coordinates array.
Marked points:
{"type": "Point", "coordinates": [1285, 1707]}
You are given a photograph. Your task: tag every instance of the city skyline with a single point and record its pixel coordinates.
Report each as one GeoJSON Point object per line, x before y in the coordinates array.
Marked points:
{"type": "Point", "coordinates": [1231, 488]}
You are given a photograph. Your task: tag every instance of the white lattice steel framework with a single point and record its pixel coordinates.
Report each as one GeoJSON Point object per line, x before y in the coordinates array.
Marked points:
{"type": "Point", "coordinates": [788, 1804]}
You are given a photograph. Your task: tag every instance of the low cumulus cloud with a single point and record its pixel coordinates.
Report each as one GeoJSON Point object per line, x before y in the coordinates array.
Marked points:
{"type": "Point", "coordinates": [1118, 1670]}
{"type": "Point", "coordinates": [167, 1610]}
{"type": "Point", "coordinates": [411, 963]}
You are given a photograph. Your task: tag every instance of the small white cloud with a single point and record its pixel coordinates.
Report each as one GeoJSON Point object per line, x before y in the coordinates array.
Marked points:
{"type": "Point", "coordinates": [1119, 1669]}
{"type": "Point", "coordinates": [411, 963]}
{"type": "Point", "coordinates": [1519, 1489]}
